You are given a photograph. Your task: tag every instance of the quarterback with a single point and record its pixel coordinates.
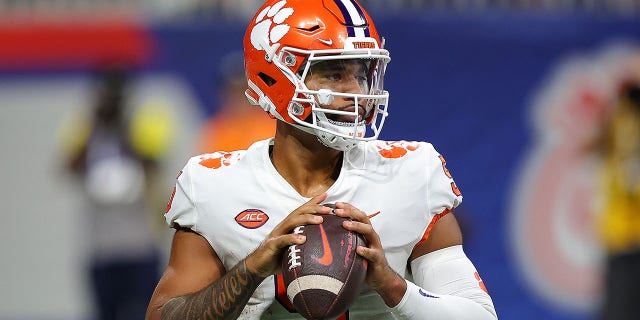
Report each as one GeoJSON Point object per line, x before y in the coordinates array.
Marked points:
{"type": "Point", "coordinates": [317, 67]}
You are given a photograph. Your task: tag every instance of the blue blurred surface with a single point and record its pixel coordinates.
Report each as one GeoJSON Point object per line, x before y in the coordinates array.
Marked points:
{"type": "Point", "coordinates": [464, 83]}
{"type": "Point", "coordinates": [461, 81]}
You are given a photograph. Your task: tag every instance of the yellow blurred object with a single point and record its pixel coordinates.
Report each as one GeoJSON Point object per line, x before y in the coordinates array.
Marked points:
{"type": "Point", "coordinates": [151, 130]}
{"type": "Point", "coordinates": [73, 134]}
{"type": "Point", "coordinates": [620, 227]}
{"type": "Point", "coordinates": [620, 181]}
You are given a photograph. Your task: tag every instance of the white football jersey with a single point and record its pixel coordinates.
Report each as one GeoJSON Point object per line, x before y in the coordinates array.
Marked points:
{"type": "Point", "coordinates": [234, 200]}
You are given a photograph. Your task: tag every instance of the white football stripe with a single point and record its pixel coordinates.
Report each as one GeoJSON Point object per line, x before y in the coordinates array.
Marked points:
{"type": "Point", "coordinates": [313, 282]}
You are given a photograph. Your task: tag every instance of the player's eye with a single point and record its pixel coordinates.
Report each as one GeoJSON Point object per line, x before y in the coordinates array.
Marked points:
{"type": "Point", "coordinates": [334, 76]}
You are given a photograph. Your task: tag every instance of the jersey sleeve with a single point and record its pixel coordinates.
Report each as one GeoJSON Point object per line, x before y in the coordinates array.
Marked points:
{"type": "Point", "coordinates": [181, 210]}
{"type": "Point", "coordinates": [443, 194]}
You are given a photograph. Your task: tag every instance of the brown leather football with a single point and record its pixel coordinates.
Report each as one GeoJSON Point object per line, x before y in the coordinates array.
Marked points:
{"type": "Point", "coordinates": [324, 276]}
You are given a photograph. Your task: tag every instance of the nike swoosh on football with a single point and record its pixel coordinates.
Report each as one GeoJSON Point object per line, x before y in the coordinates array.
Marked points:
{"type": "Point", "coordinates": [327, 256]}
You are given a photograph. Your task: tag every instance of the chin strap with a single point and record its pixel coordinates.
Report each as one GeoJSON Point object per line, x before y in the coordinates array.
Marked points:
{"type": "Point", "coordinates": [257, 98]}
{"type": "Point", "coordinates": [334, 141]}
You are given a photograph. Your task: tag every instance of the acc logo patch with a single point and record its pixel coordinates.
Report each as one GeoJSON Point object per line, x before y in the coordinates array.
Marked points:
{"type": "Point", "coordinates": [396, 149]}
{"type": "Point", "coordinates": [252, 218]}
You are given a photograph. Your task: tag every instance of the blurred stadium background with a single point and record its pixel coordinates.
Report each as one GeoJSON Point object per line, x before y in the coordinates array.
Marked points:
{"type": "Point", "coordinates": [509, 91]}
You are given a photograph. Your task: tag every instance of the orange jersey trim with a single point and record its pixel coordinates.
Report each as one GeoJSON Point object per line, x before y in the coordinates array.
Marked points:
{"type": "Point", "coordinates": [435, 219]}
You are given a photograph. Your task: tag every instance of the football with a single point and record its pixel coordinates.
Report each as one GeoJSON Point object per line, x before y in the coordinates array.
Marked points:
{"type": "Point", "coordinates": [324, 276]}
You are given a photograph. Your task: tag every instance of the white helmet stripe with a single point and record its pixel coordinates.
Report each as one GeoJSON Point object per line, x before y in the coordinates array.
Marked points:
{"type": "Point", "coordinates": [353, 16]}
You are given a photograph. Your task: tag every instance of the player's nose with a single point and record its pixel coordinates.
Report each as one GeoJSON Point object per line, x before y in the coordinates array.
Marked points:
{"type": "Point", "coordinates": [354, 85]}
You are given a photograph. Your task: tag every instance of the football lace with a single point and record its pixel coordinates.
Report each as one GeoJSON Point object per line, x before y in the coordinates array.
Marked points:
{"type": "Point", "coordinates": [294, 257]}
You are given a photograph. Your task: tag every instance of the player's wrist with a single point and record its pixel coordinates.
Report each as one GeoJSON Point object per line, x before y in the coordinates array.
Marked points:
{"type": "Point", "coordinates": [392, 288]}
{"type": "Point", "coordinates": [254, 269]}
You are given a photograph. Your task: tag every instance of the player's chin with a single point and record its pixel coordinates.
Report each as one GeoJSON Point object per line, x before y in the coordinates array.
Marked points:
{"type": "Point", "coordinates": [346, 120]}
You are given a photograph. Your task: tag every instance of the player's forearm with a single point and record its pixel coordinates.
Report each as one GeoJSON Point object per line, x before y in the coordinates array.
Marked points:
{"type": "Point", "coordinates": [223, 299]}
{"type": "Point", "coordinates": [418, 303]}
{"type": "Point", "coordinates": [392, 289]}
{"type": "Point", "coordinates": [458, 292]}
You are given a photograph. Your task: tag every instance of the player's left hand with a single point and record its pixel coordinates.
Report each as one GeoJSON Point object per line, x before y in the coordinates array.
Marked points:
{"type": "Point", "coordinates": [380, 276]}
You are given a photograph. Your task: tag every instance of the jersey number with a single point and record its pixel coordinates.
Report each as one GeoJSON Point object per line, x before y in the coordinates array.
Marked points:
{"type": "Point", "coordinates": [454, 188]}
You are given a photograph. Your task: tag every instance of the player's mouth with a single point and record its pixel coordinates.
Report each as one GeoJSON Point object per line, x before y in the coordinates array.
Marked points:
{"type": "Point", "coordinates": [348, 120]}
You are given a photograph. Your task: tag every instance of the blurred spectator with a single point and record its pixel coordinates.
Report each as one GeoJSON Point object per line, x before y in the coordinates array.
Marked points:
{"type": "Point", "coordinates": [620, 206]}
{"type": "Point", "coordinates": [236, 124]}
{"type": "Point", "coordinates": [116, 154]}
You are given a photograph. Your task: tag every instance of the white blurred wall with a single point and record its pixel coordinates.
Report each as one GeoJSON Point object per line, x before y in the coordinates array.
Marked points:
{"type": "Point", "coordinates": [41, 246]}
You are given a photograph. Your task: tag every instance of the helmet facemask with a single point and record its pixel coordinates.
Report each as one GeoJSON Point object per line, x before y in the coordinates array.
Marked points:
{"type": "Point", "coordinates": [359, 111]}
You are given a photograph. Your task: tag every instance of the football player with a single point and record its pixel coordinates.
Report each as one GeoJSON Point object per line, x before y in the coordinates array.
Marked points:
{"type": "Point", "coordinates": [317, 66]}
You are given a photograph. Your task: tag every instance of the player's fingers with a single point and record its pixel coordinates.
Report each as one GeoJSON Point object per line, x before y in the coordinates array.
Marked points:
{"type": "Point", "coordinates": [308, 213]}
{"type": "Point", "coordinates": [274, 245]}
{"type": "Point", "coordinates": [366, 230]}
{"type": "Point", "coordinates": [359, 223]}
{"type": "Point", "coordinates": [312, 207]}
{"type": "Point", "coordinates": [286, 240]}
{"type": "Point", "coordinates": [293, 221]}
{"type": "Point", "coordinates": [373, 255]}
{"type": "Point", "coordinates": [264, 260]}
{"type": "Point", "coordinates": [317, 199]}
{"type": "Point", "coordinates": [347, 210]}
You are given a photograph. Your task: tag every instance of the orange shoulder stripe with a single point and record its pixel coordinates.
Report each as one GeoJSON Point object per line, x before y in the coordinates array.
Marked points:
{"type": "Point", "coordinates": [435, 219]}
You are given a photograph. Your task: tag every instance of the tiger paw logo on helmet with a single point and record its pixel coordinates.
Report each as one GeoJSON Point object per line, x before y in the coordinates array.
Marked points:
{"type": "Point", "coordinates": [265, 29]}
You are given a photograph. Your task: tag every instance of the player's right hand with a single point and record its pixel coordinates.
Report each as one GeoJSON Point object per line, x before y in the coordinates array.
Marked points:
{"type": "Point", "coordinates": [266, 259]}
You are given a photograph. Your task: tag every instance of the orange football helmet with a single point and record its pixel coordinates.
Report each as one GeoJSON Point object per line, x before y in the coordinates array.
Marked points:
{"type": "Point", "coordinates": [282, 43]}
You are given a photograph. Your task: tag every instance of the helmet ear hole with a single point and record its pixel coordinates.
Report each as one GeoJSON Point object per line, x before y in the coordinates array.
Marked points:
{"type": "Point", "coordinates": [269, 81]}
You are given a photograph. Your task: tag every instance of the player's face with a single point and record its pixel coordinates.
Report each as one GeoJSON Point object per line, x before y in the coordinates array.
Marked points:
{"type": "Point", "coordinates": [349, 76]}
{"type": "Point", "coordinates": [340, 76]}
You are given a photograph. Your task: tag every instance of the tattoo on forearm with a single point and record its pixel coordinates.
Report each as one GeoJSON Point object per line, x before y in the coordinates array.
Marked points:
{"type": "Point", "coordinates": [223, 299]}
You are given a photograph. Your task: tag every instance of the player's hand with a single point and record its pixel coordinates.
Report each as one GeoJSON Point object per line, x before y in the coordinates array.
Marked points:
{"type": "Point", "coordinates": [265, 260]}
{"type": "Point", "coordinates": [380, 276]}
